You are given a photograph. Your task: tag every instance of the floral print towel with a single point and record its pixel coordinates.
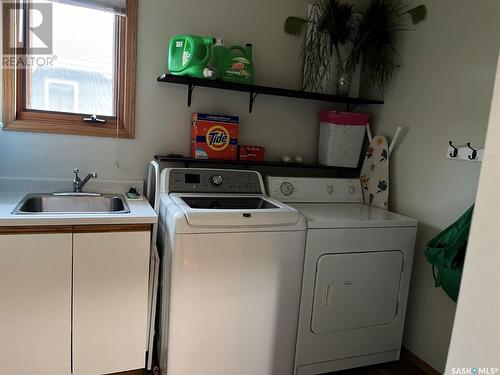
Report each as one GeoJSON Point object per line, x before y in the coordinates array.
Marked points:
{"type": "Point", "coordinates": [375, 174]}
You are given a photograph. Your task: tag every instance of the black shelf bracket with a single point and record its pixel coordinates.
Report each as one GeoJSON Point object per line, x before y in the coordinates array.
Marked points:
{"type": "Point", "coordinates": [253, 95]}
{"type": "Point", "coordinates": [191, 87]}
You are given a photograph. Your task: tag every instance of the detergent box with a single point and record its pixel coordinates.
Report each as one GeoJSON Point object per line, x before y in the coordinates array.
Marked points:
{"type": "Point", "coordinates": [214, 136]}
{"type": "Point", "coordinates": [255, 153]}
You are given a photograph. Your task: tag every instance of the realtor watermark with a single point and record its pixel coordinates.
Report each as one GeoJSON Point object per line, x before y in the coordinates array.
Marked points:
{"type": "Point", "coordinates": [474, 370]}
{"type": "Point", "coordinates": [26, 62]}
{"type": "Point", "coordinates": [32, 45]}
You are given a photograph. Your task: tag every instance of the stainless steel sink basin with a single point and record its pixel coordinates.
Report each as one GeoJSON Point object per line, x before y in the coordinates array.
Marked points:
{"type": "Point", "coordinates": [69, 203]}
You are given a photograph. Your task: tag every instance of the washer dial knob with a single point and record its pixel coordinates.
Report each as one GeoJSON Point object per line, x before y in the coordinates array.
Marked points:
{"type": "Point", "coordinates": [352, 189]}
{"type": "Point", "coordinates": [216, 180]}
{"type": "Point", "coordinates": [286, 189]}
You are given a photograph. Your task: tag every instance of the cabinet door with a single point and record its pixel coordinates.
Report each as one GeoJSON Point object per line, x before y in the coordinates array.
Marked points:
{"type": "Point", "coordinates": [110, 297]}
{"type": "Point", "coordinates": [35, 304]}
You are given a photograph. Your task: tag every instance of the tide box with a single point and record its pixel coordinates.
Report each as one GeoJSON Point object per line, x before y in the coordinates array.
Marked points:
{"type": "Point", "coordinates": [251, 152]}
{"type": "Point", "coordinates": [214, 136]}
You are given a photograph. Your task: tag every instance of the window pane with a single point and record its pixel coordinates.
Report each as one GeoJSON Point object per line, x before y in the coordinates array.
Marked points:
{"type": "Point", "coordinates": [82, 76]}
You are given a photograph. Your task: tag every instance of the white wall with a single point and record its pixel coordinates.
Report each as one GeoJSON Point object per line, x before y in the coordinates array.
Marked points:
{"type": "Point", "coordinates": [475, 341]}
{"type": "Point", "coordinates": [284, 126]}
{"type": "Point", "coordinates": [443, 92]}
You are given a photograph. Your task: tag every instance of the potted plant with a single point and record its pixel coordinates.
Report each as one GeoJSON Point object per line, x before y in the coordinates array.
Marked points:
{"type": "Point", "coordinates": [338, 35]}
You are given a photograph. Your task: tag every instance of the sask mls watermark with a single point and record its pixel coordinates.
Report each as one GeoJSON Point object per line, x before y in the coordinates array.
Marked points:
{"type": "Point", "coordinates": [30, 42]}
{"type": "Point", "coordinates": [474, 371]}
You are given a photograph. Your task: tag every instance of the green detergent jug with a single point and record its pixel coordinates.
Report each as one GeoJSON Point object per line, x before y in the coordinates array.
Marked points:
{"type": "Point", "coordinates": [218, 59]}
{"type": "Point", "coordinates": [189, 55]}
{"type": "Point", "coordinates": [238, 65]}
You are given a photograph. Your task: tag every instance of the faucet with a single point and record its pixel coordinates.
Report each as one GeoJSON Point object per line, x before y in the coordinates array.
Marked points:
{"type": "Point", "coordinates": [78, 183]}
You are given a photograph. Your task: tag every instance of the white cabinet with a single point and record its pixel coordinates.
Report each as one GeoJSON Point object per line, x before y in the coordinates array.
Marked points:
{"type": "Point", "coordinates": [35, 303]}
{"type": "Point", "coordinates": [73, 302]}
{"type": "Point", "coordinates": [110, 291]}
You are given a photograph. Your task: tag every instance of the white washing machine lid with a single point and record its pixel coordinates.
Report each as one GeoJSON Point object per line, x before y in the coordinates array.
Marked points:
{"type": "Point", "coordinates": [234, 210]}
{"type": "Point", "coordinates": [349, 215]}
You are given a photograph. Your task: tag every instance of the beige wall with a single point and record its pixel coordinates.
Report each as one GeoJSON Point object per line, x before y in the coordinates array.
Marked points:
{"type": "Point", "coordinates": [476, 332]}
{"type": "Point", "coordinates": [442, 93]}
{"type": "Point", "coordinates": [283, 125]}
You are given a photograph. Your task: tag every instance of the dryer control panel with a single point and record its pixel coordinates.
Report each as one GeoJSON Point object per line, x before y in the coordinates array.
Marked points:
{"type": "Point", "coordinates": [190, 180]}
{"type": "Point", "coordinates": [306, 189]}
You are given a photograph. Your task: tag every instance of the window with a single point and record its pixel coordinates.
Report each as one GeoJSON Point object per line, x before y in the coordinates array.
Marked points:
{"type": "Point", "coordinates": [66, 61]}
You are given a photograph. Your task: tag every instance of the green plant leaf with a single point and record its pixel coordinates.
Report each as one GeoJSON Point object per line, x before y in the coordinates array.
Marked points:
{"type": "Point", "coordinates": [295, 25]}
{"type": "Point", "coordinates": [418, 14]}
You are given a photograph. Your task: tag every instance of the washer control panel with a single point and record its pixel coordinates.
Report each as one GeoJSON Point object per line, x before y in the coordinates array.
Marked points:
{"type": "Point", "coordinates": [189, 180]}
{"type": "Point", "coordinates": [306, 189]}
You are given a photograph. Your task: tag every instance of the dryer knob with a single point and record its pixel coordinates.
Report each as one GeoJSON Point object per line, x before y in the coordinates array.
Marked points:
{"type": "Point", "coordinates": [286, 188]}
{"type": "Point", "coordinates": [352, 189]}
{"type": "Point", "coordinates": [216, 180]}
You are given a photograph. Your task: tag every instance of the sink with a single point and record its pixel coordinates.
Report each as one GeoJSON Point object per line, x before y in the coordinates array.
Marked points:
{"type": "Point", "coordinates": [72, 203]}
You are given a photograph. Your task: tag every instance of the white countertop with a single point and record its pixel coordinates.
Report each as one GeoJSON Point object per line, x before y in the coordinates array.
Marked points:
{"type": "Point", "coordinates": [140, 213]}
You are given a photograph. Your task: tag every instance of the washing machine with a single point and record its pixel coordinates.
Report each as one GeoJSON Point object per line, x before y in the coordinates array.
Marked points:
{"type": "Point", "coordinates": [231, 273]}
{"type": "Point", "coordinates": [356, 275]}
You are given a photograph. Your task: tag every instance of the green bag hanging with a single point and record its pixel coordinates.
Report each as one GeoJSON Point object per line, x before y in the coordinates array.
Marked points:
{"type": "Point", "coordinates": [446, 254]}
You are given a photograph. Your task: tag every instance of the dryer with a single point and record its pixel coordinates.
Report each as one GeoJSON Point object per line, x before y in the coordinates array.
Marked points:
{"type": "Point", "coordinates": [356, 275]}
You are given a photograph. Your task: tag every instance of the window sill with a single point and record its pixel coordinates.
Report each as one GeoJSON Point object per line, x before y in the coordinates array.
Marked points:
{"type": "Point", "coordinates": [68, 128]}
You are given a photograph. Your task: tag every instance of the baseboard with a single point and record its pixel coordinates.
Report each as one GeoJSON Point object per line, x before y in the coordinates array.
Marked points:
{"type": "Point", "coordinates": [418, 362]}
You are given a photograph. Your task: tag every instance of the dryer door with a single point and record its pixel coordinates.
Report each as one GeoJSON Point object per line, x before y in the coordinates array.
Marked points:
{"type": "Point", "coordinates": [355, 290]}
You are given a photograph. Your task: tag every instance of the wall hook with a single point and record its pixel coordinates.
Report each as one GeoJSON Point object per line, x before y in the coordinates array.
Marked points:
{"type": "Point", "coordinates": [474, 152]}
{"type": "Point", "coordinates": [454, 153]}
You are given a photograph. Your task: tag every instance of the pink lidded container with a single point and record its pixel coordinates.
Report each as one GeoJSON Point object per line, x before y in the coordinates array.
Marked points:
{"type": "Point", "coordinates": [341, 137]}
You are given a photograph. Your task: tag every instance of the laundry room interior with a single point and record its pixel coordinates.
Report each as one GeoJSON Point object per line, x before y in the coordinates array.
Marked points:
{"type": "Point", "coordinates": [193, 187]}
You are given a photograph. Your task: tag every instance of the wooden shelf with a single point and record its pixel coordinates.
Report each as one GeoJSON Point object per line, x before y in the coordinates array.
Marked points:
{"type": "Point", "coordinates": [247, 164]}
{"type": "Point", "coordinates": [254, 90]}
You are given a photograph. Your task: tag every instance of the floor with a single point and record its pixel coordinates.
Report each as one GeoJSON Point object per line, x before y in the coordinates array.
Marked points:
{"type": "Point", "coordinates": [401, 367]}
